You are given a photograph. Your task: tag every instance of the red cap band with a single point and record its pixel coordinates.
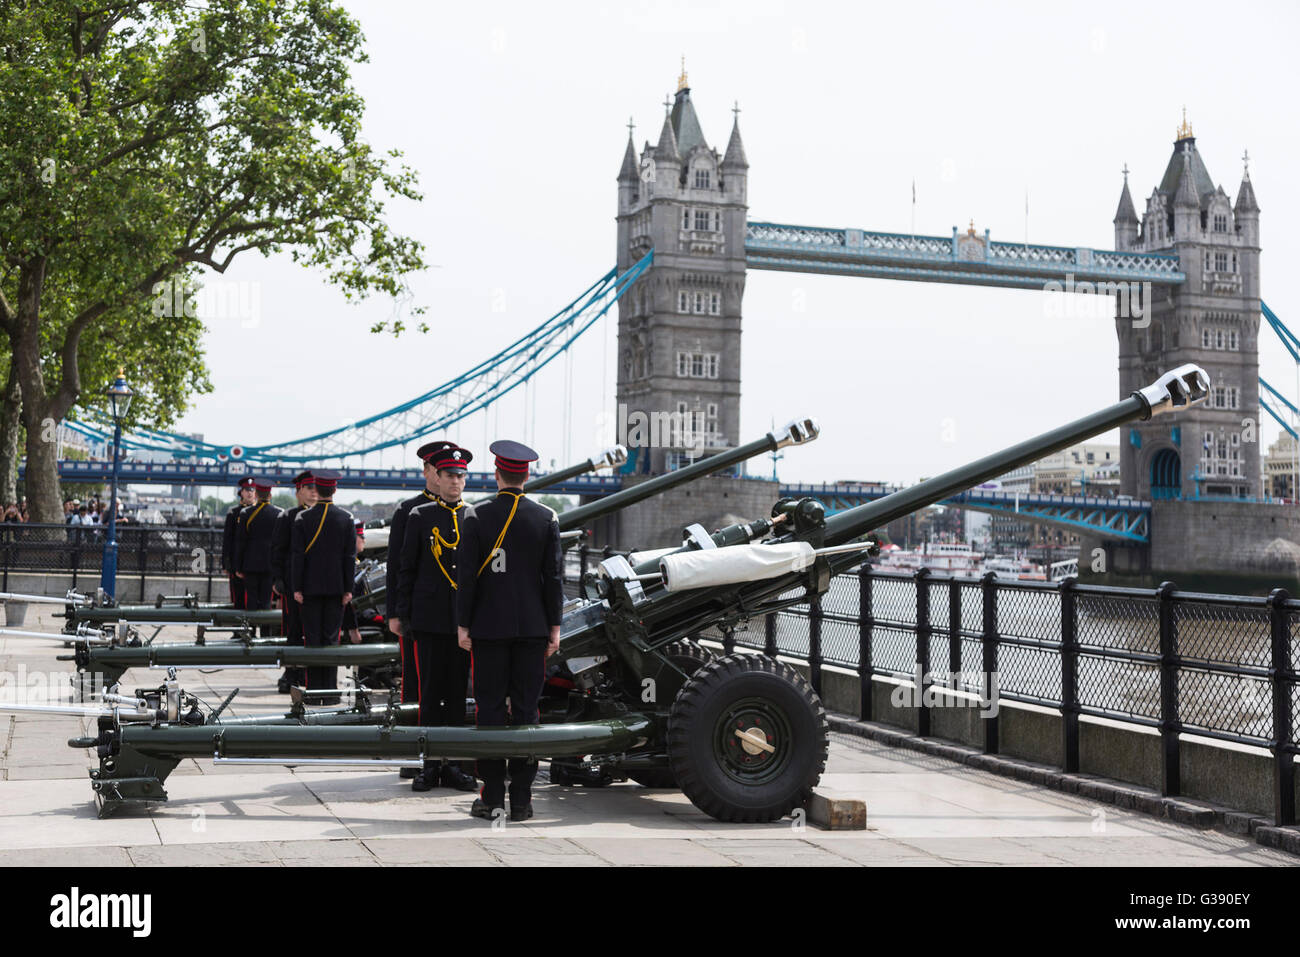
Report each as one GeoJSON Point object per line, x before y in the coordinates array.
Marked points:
{"type": "Point", "coordinates": [512, 465]}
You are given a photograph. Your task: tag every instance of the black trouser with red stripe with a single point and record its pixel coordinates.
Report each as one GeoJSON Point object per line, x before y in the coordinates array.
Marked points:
{"type": "Point", "coordinates": [236, 589]}
{"type": "Point", "coordinates": [443, 669]}
{"type": "Point", "coordinates": [291, 625]}
{"type": "Point", "coordinates": [513, 669]}
{"type": "Point", "coordinates": [322, 620]}
{"type": "Point", "coordinates": [410, 679]}
{"type": "Point", "coordinates": [257, 591]}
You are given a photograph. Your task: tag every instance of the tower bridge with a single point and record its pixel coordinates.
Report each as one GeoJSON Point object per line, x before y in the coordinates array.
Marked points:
{"type": "Point", "coordinates": [1185, 274]}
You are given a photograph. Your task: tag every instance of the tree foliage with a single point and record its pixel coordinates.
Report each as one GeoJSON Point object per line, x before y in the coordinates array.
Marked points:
{"type": "Point", "coordinates": [148, 143]}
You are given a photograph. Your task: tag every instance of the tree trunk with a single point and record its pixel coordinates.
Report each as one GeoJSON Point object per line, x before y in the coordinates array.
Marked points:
{"type": "Point", "coordinates": [11, 407]}
{"type": "Point", "coordinates": [39, 415]}
{"type": "Point", "coordinates": [41, 482]}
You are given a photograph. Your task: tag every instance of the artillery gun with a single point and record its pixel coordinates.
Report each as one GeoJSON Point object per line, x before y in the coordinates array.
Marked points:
{"type": "Point", "coordinates": [106, 641]}
{"type": "Point", "coordinates": [744, 736]}
{"type": "Point", "coordinates": [795, 432]}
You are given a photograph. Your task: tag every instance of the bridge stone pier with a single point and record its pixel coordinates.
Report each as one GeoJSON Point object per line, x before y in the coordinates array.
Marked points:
{"type": "Point", "coordinates": [678, 385]}
{"type": "Point", "coordinates": [1198, 467]}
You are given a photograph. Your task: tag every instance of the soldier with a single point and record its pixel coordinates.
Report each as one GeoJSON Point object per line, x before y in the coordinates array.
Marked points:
{"type": "Point", "coordinates": [396, 531]}
{"type": "Point", "coordinates": [228, 541]}
{"type": "Point", "coordinates": [282, 581]}
{"type": "Point", "coordinates": [351, 625]}
{"type": "Point", "coordinates": [426, 604]}
{"type": "Point", "coordinates": [323, 561]}
{"type": "Point", "coordinates": [254, 528]}
{"type": "Point", "coordinates": [509, 600]}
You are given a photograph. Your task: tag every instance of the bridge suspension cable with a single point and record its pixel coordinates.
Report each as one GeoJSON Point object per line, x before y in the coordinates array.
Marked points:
{"type": "Point", "coordinates": [1292, 345]}
{"type": "Point", "coordinates": [472, 391]}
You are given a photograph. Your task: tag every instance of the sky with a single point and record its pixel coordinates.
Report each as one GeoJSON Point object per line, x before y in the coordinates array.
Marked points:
{"type": "Point", "coordinates": [514, 116]}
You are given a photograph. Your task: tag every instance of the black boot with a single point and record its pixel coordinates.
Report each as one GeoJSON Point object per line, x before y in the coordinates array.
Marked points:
{"type": "Point", "coordinates": [427, 780]}
{"type": "Point", "coordinates": [454, 777]}
{"type": "Point", "coordinates": [484, 810]}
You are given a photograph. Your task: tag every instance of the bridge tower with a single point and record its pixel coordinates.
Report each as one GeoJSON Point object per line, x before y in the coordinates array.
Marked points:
{"type": "Point", "coordinates": [679, 327]}
{"type": "Point", "coordinates": [1212, 319]}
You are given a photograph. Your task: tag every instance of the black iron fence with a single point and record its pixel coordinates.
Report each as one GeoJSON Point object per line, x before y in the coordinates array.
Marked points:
{"type": "Point", "coordinates": [146, 551]}
{"type": "Point", "coordinates": [1217, 666]}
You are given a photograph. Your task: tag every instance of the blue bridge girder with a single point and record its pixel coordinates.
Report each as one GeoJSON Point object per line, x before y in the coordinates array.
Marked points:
{"type": "Point", "coordinates": [211, 473]}
{"type": "Point", "coordinates": [1126, 520]}
{"type": "Point", "coordinates": [965, 258]}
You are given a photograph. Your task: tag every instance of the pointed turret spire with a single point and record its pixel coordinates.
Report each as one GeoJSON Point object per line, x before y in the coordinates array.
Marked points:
{"type": "Point", "coordinates": [1246, 193]}
{"type": "Point", "coordinates": [627, 172]}
{"type": "Point", "coordinates": [667, 148]}
{"type": "Point", "coordinates": [1127, 212]}
{"type": "Point", "coordinates": [735, 155]}
{"type": "Point", "coordinates": [1187, 194]}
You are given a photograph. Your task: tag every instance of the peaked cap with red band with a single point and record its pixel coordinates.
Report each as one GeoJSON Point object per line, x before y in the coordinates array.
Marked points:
{"type": "Point", "coordinates": [512, 457]}
{"type": "Point", "coordinates": [325, 480]}
{"type": "Point", "coordinates": [246, 482]}
{"type": "Point", "coordinates": [429, 450]}
{"type": "Point", "coordinates": [303, 478]}
{"type": "Point", "coordinates": [452, 457]}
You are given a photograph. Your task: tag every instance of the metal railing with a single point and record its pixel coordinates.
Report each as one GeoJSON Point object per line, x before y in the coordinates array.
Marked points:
{"type": "Point", "coordinates": [143, 551]}
{"type": "Point", "coordinates": [1216, 666]}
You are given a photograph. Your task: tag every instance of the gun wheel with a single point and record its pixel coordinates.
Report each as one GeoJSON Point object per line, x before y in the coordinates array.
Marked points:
{"type": "Point", "coordinates": [747, 739]}
{"type": "Point", "coordinates": [690, 657]}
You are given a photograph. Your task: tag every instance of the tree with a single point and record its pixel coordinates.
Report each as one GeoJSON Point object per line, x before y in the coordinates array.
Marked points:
{"type": "Point", "coordinates": [146, 143]}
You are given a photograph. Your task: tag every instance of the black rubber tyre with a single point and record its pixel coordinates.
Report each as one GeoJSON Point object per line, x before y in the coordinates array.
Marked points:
{"type": "Point", "coordinates": [747, 739]}
{"type": "Point", "coordinates": [690, 657]}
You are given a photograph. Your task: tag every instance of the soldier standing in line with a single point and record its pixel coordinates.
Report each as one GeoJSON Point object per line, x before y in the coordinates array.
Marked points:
{"type": "Point", "coordinates": [351, 624]}
{"type": "Point", "coordinates": [323, 559]}
{"type": "Point", "coordinates": [396, 533]}
{"type": "Point", "coordinates": [282, 578]}
{"type": "Point", "coordinates": [228, 541]}
{"type": "Point", "coordinates": [426, 604]}
{"type": "Point", "coordinates": [254, 528]}
{"type": "Point", "coordinates": [509, 601]}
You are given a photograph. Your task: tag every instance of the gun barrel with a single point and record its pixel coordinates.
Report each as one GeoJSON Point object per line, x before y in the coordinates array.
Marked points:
{"type": "Point", "coordinates": [174, 615]}
{"type": "Point", "coordinates": [797, 432]}
{"type": "Point", "coordinates": [610, 458]}
{"type": "Point", "coordinates": [1184, 386]}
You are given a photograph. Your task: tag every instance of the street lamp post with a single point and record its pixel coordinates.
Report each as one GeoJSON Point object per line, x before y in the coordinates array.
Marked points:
{"type": "Point", "coordinates": [119, 401]}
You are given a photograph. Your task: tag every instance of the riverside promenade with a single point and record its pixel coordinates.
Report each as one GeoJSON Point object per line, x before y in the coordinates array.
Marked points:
{"type": "Point", "coordinates": [921, 810]}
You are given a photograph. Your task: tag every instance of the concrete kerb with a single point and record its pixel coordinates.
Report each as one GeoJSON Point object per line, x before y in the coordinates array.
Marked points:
{"type": "Point", "coordinates": [1197, 814]}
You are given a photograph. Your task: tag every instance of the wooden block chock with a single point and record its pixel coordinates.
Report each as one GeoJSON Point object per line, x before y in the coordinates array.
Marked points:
{"type": "Point", "coordinates": [832, 813]}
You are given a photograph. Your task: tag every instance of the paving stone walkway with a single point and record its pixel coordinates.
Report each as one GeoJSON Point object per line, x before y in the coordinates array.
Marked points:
{"type": "Point", "coordinates": [921, 810]}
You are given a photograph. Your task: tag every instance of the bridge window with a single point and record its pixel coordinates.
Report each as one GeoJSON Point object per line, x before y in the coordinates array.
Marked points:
{"type": "Point", "coordinates": [702, 178]}
{"type": "Point", "coordinates": [1232, 404]}
{"type": "Point", "coordinates": [702, 220]}
{"type": "Point", "coordinates": [699, 302]}
{"type": "Point", "coordinates": [686, 222]}
{"type": "Point", "coordinates": [1220, 223]}
{"type": "Point", "coordinates": [1205, 338]}
{"type": "Point", "coordinates": [1218, 338]}
{"type": "Point", "coordinates": [697, 365]}
{"type": "Point", "coordinates": [1221, 262]}
{"type": "Point", "coordinates": [1234, 262]}
{"type": "Point", "coordinates": [1232, 339]}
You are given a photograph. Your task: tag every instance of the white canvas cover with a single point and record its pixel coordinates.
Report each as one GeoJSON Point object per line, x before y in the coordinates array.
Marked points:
{"type": "Point", "coordinates": [729, 566]}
